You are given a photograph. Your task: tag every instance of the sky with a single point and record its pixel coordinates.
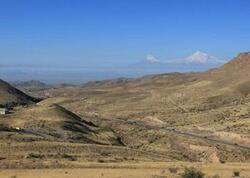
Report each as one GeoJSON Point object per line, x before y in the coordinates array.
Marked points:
{"type": "Point", "coordinates": [101, 33]}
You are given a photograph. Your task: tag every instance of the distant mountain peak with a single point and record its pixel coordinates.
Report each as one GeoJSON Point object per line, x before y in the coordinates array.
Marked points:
{"type": "Point", "coordinates": [151, 59]}
{"type": "Point", "coordinates": [198, 61]}
{"type": "Point", "coordinates": [201, 57]}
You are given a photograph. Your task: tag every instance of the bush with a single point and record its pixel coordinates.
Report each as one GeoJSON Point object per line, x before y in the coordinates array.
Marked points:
{"type": "Point", "coordinates": [173, 170]}
{"type": "Point", "coordinates": [216, 176]}
{"type": "Point", "coordinates": [236, 174]}
{"type": "Point", "coordinates": [35, 155]}
{"type": "Point", "coordinates": [222, 161]}
{"type": "Point", "coordinates": [192, 173]}
{"type": "Point", "coordinates": [69, 157]}
{"type": "Point", "coordinates": [101, 161]}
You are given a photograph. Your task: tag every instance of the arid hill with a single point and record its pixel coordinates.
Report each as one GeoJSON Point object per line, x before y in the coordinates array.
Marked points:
{"type": "Point", "coordinates": [53, 122]}
{"type": "Point", "coordinates": [179, 117]}
{"type": "Point", "coordinates": [12, 96]}
{"type": "Point", "coordinates": [235, 70]}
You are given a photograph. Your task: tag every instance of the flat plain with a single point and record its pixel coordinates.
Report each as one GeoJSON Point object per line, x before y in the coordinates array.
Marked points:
{"type": "Point", "coordinates": [138, 170]}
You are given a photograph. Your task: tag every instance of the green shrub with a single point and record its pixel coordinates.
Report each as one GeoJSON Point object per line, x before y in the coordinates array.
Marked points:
{"type": "Point", "coordinates": [192, 173]}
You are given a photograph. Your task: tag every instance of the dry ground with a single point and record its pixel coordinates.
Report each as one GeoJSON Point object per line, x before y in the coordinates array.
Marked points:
{"type": "Point", "coordinates": [178, 119]}
{"type": "Point", "coordinates": [126, 170]}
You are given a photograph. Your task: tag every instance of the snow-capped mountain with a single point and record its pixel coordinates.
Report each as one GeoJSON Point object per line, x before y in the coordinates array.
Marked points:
{"type": "Point", "coordinates": [198, 61]}
{"type": "Point", "coordinates": [201, 57]}
{"type": "Point", "coordinates": [197, 57]}
{"type": "Point", "coordinates": [151, 59]}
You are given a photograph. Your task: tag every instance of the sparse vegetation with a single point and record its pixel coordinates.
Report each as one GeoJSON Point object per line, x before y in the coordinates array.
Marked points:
{"type": "Point", "coordinates": [188, 117]}
{"type": "Point", "coordinates": [236, 174]}
{"type": "Point", "coordinates": [222, 161]}
{"type": "Point", "coordinates": [215, 176]}
{"type": "Point", "coordinates": [69, 157]}
{"type": "Point", "coordinates": [10, 96]}
{"type": "Point", "coordinates": [35, 155]}
{"type": "Point", "coordinates": [13, 177]}
{"type": "Point", "coordinates": [173, 170]}
{"type": "Point", "coordinates": [3, 127]}
{"type": "Point", "coordinates": [192, 173]}
{"type": "Point", "coordinates": [101, 161]}
{"type": "Point", "coordinates": [141, 170]}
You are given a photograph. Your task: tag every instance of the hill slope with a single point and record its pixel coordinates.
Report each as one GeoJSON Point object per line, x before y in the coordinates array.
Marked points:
{"type": "Point", "coordinates": [213, 104]}
{"type": "Point", "coordinates": [234, 76]}
{"type": "Point", "coordinates": [236, 69]}
{"type": "Point", "coordinates": [31, 85]}
{"type": "Point", "coordinates": [178, 116]}
{"type": "Point", "coordinates": [12, 96]}
{"type": "Point", "coordinates": [56, 123]}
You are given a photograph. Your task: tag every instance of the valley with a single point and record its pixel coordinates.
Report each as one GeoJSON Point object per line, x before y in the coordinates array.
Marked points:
{"type": "Point", "coordinates": [157, 121]}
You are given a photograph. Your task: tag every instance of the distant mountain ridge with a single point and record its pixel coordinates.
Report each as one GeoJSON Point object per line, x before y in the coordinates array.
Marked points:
{"type": "Point", "coordinates": [195, 116]}
{"type": "Point", "coordinates": [150, 64]}
{"type": "Point", "coordinates": [29, 84]}
{"type": "Point", "coordinates": [198, 61]}
{"type": "Point", "coordinates": [196, 57]}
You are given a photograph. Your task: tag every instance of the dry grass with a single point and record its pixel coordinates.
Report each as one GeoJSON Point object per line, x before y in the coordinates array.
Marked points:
{"type": "Point", "coordinates": [141, 170]}
{"type": "Point", "coordinates": [147, 115]}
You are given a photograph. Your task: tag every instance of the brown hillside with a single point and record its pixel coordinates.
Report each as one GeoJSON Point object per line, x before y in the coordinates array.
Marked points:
{"type": "Point", "coordinates": [54, 122]}
{"type": "Point", "coordinates": [235, 70]}
{"type": "Point", "coordinates": [12, 96]}
{"type": "Point", "coordinates": [234, 75]}
{"type": "Point", "coordinates": [187, 117]}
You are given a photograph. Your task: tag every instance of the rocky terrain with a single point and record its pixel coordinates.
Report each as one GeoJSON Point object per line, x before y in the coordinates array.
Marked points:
{"type": "Point", "coordinates": [193, 117]}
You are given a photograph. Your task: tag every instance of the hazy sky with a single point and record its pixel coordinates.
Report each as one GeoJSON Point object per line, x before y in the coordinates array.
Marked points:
{"type": "Point", "coordinates": [117, 32]}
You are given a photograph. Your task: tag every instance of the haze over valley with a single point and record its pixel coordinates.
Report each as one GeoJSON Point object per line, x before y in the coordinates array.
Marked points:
{"type": "Point", "coordinates": [197, 62]}
{"type": "Point", "coordinates": [124, 89]}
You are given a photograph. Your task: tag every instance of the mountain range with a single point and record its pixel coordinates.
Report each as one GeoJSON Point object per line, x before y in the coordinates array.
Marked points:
{"type": "Point", "coordinates": [169, 117]}
{"type": "Point", "coordinates": [198, 61]}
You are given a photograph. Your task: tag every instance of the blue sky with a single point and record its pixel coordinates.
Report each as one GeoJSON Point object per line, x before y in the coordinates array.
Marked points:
{"type": "Point", "coordinates": [75, 33]}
